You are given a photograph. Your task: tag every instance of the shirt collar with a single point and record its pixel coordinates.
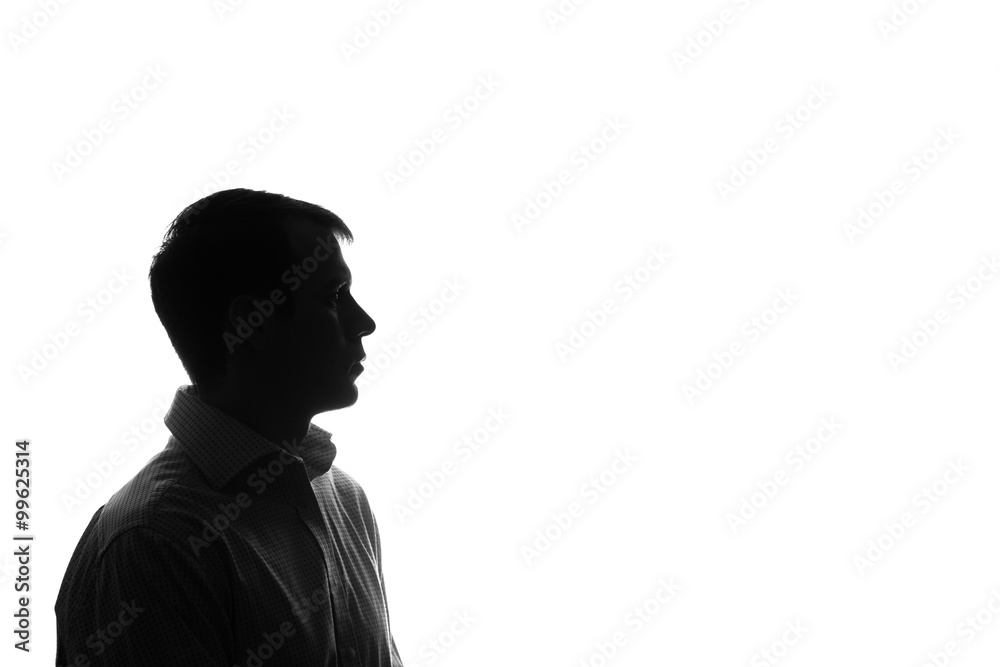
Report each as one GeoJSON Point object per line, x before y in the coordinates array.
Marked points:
{"type": "Point", "coordinates": [222, 446]}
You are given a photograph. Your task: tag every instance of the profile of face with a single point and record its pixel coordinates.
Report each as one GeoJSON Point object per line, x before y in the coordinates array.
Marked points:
{"type": "Point", "coordinates": [311, 359]}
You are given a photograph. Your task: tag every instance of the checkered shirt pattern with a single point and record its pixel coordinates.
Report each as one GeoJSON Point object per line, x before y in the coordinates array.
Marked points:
{"type": "Point", "coordinates": [227, 550]}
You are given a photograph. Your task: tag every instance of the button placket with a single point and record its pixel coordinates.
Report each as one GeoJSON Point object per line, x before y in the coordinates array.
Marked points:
{"type": "Point", "coordinates": [300, 494]}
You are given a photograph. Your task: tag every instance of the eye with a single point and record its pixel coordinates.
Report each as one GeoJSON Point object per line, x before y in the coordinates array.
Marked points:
{"type": "Point", "coordinates": [334, 298]}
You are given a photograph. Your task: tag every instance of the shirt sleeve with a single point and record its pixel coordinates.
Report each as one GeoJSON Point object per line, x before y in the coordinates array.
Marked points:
{"type": "Point", "coordinates": [153, 605]}
{"type": "Point", "coordinates": [397, 661]}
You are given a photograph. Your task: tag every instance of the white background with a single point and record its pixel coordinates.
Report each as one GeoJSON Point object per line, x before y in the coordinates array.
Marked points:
{"type": "Point", "coordinates": [685, 128]}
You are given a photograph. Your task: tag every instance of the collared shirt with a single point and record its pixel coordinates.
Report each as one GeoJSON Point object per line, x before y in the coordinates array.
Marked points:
{"type": "Point", "coordinates": [227, 550]}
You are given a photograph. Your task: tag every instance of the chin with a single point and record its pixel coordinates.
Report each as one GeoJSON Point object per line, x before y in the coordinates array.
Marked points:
{"type": "Point", "coordinates": [343, 399]}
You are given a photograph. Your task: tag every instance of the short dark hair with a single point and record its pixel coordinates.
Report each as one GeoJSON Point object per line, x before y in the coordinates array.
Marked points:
{"type": "Point", "coordinates": [229, 243]}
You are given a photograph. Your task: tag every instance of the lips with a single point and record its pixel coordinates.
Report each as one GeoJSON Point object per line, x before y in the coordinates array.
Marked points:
{"type": "Point", "coordinates": [356, 368]}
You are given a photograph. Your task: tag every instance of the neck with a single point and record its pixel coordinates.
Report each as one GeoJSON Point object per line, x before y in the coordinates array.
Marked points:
{"type": "Point", "coordinates": [263, 411]}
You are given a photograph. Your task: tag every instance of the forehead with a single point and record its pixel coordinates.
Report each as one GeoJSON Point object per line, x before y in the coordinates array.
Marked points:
{"type": "Point", "coordinates": [306, 239]}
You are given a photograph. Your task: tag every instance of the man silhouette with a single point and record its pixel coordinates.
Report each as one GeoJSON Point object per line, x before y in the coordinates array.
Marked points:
{"type": "Point", "coordinates": [240, 543]}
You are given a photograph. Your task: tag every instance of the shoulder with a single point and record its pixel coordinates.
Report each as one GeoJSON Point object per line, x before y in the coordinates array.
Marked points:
{"type": "Point", "coordinates": [164, 498]}
{"type": "Point", "coordinates": [348, 489]}
{"type": "Point", "coordinates": [353, 501]}
{"type": "Point", "coordinates": [148, 520]}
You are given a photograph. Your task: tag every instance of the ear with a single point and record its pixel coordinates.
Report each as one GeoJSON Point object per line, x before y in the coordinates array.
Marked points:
{"type": "Point", "coordinates": [248, 323]}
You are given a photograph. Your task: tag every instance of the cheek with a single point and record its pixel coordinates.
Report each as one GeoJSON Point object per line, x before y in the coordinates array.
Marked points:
{"type": "Point", "coordinates": [321, 337]}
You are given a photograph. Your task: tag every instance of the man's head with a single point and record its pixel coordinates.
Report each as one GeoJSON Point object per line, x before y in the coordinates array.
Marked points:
{"type": "Point", "coordinates": [254, 293]}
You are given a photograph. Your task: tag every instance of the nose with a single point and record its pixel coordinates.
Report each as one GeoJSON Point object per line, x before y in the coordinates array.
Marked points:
{"type": "Point", "coordinates": [366, 325]}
